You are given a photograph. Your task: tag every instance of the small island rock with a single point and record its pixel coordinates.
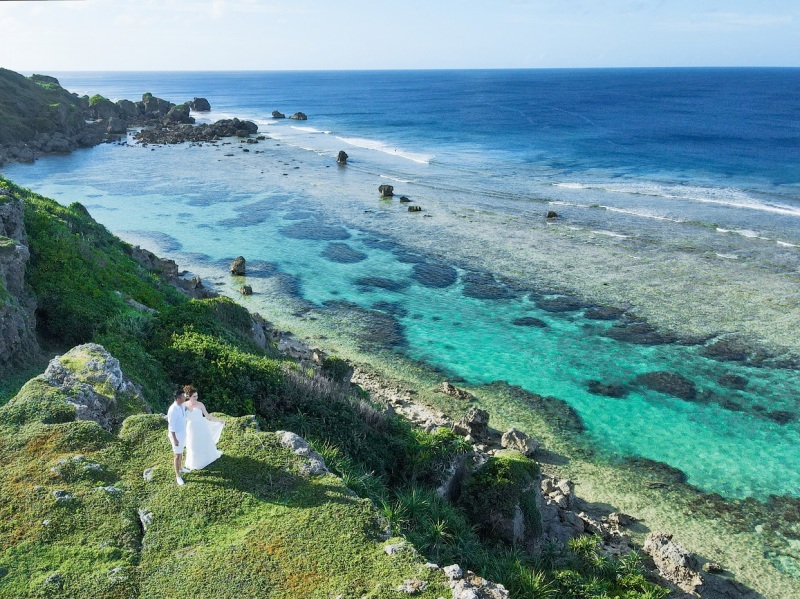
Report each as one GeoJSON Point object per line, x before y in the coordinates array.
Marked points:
{"type": "Point", "coordinates": [276, 114]}
{"type": "Point", "coordinates": [299, 116]}
{"type": "Point", "coordinates": [200, 105]}
{"type": "Point", "coordinates": [238, 266]}
{"type": "Point", "coordinates": [386, 191]}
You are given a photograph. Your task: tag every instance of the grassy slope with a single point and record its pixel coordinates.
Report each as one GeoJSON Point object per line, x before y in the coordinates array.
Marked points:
{"type": "Point", "coordinates": [248, 525]}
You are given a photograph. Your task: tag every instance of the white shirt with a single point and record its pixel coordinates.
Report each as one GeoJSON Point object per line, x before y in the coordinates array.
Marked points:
{"type": "Point", "coordinates": [176, 419]}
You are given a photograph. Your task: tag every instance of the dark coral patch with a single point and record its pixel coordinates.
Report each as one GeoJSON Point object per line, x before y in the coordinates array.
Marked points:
{"type": "Point", "coordinates": [529, 321]}
{"type": "Point", "coordinates": [435, 275]}
{"type": "Point", "coordinates": [315, 230]}
{"type": "Point", "coordinates": [381, 283]}
{"type": "Point", "coordinates": [669, 383]}
{"type": "Point", "coordinates": [484, 286]}
{"type": "Point", "coordinates": [343, 254]}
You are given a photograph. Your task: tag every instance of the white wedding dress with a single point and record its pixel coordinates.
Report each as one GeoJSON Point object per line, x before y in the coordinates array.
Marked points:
{"type": "Point", "coordinates": [202, 436]}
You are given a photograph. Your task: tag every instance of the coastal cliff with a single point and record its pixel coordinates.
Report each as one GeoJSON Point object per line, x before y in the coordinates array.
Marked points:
{"type": "Point", "coordinates": [18, 344]}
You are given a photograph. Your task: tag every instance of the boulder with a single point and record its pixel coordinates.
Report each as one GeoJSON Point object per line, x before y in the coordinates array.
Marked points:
{"type": "Point", "coordinates": [200, 105]}
{"type": "Point", "coordinates": [474, 423]}
{"type": "Point", "coordinates": [415, 208]}
{"type": "Point", "coordinates": [246, 290]}
{"type": "Point", "coordinates": [472, 586]}
{"type": "Point", "coordinates": [91, 381]}
{"type": "Point", "coordinates": [179, 114]}
{"type": "Point", "coordinates": [519, 441]}
{"type": "Point", "coordinates": [127, 109]}
{"type": "Point", "coordinates": [342, 157]}
{"type": "Point", "coordinates": [386, 191]}
{"type": "Point", "coordinates": [552, 214]}
{"type": "Point", "coordinates": [154, 107]}
{"type": "Point", "coordinates": [238, 266]}
{"type": "Point", "coordinates": [117, 126]}
{"type": "Point", "coordinates": [299, 116]}
{"type": "Point", "coordinates": [453, 391]}
{"type": "Point", "coordinates": [314, 464]}
{"type": "Point", "coordinates": [278, 115]}
{"type": "Point", "coordinates": [404, 200]}
{"type": "Point", "coordinates": [674, 562]}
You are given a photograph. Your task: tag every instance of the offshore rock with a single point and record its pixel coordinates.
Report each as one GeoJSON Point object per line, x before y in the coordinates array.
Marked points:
{"type": "Point", "coordinates": [342, 157]}
{"type": "Point", "coordinates": [386, 191]}
{"type": "Point", "coordinates": [299, 116]}
{"type": "Point", "coordinates": [278, 115]}
{"type": "Point", "coordinates": [238, 266]}
{"type": "Point", "coordinates": [18, 344]}
{"type": "Point", "coordinates": [200, 105]}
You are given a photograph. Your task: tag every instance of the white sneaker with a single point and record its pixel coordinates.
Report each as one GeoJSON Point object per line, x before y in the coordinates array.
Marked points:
{"type": "Point", "coordinates": [179, 480]}
{"type": "Point", "coordinates": [185, 470]}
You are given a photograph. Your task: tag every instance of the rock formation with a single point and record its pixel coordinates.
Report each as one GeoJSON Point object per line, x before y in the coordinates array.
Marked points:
{"type": "Point", "coordinates": [276, 114]}
{"type": "Point", "coordinates": [200, 105]}
{"type": "Point", "coordinates": [18, 343]}
{"type": "Point", "coordinates": [87, 382]}
{"type": "Point", "coordinates": [299, 116]}
{"type": "Point", "coordinates": [342, 157]}
{"type": "Point", "coordinates": [238, 266]}
{"type": "Point", "coordinates": [386, 191]}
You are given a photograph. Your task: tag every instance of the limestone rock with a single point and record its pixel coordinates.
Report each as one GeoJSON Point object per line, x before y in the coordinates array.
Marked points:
{"type": "Point", "coordinates": [674, 563]}
{"type": "Point", "coordinates": [450, 389]}
{"type": "Point", "coordinates": [92, 381]}
{"type": "Point", "coordinates": [386, 191]}
{"type": "Point", "coordinates": [246, 290]}
{"type": "Point", "coordinates": [342, 157]}
{"type": "Point", "coordinates": [238, 266]}
{"type": "Point", "coordinates": [519, 441]}
{"type": "Point", "coordinates": [474, 423]}
{"type": "Point", "coordinates": [552, 214]}
{"type": "Point", "coordinates": [412, 586]}
{"type": "Point", "coordinates": [299, 116]}
{"type": "Point", "coordinates": [148, 474]}
{"type": "Point", "coordinates": [146, 518]}
{"type": "Point", "coordinates": [18, 344]}
{"type": "Point", "coordinates": [314, 465]}
{"type": "Point", "coordinates": [453, 572]}
{"type": "Point", "coordinates": [278, 115]}
{"type": "Point", "coordinates": [415, 208]}
{"type": "Point", "coordinates": [472, 586]}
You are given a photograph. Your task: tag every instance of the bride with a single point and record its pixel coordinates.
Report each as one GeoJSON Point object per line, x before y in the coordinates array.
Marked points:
{"type": "Point", "coordinates": [202, 432]}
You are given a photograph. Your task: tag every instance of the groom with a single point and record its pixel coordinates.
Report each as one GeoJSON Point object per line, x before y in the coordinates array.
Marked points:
{"type": "Point", "coordinates": [176, 431]}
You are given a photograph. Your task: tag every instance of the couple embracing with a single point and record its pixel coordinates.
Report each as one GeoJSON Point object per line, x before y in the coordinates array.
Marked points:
{"type": "Point", "coordinates": [191, 427]}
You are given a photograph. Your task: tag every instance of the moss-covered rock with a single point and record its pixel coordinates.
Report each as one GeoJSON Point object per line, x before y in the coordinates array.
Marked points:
{"type": "Point", "coordinates": [500, 498]}
{"type": "Point", "coordinates": [86, 383]}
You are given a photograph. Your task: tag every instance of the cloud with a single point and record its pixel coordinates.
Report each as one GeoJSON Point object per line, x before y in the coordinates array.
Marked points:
{"type": "Point", "coordinates": [731, 21]}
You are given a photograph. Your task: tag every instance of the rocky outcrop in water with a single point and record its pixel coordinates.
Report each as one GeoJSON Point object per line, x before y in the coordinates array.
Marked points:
{"type": "Point", "coordinates": [299, 116]}
{"type": "Point", "coordinates": [200, 105]}
{"type": "Point", "coordinates": [276, 114]}
{"type": "Point", "coordinates": [237, 267]}
{"type": "Point", "coordinates": [342, 157]}
{"type": "Point", "coordinates": [175, 133]}
{"type": "Point", "coordinates": [18, 345]}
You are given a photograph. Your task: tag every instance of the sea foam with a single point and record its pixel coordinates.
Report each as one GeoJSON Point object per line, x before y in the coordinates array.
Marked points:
{"type": "Point", "coordinates": [379, 146]}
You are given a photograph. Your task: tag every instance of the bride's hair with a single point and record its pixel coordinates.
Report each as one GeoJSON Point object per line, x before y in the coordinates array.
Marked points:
{"type": "Point", "coordinates": [189, 390]}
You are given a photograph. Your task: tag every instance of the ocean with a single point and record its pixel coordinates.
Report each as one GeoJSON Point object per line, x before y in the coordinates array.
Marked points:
{"type": "Point", "coordinates": [661, 305]}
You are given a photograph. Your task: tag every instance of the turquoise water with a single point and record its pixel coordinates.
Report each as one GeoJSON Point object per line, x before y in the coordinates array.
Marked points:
{"type": "Point", "coordinates": [419, 286]}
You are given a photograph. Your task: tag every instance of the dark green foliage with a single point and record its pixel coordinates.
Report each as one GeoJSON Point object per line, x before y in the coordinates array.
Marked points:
{"type": "Point", "coordinates": [76, 267]}
{"type": "Point", "coordinates": [36, 105]}
{"type": "Point", "coordinates": [335, 368]}
{"type": "Point", "coordinates": [501, 484]}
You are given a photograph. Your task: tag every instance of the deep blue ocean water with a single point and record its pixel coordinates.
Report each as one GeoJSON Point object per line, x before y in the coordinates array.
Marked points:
{"type": "Point", "coordinates": [666, 180]}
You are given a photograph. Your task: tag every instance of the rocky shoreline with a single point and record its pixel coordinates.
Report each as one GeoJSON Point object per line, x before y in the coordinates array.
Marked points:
{"type": "Point", "coordinates": [564, 515]}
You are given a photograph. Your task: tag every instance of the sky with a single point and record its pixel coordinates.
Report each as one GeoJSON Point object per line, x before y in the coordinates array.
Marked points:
{"type": "Point", "coordinates": [198, 35]}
